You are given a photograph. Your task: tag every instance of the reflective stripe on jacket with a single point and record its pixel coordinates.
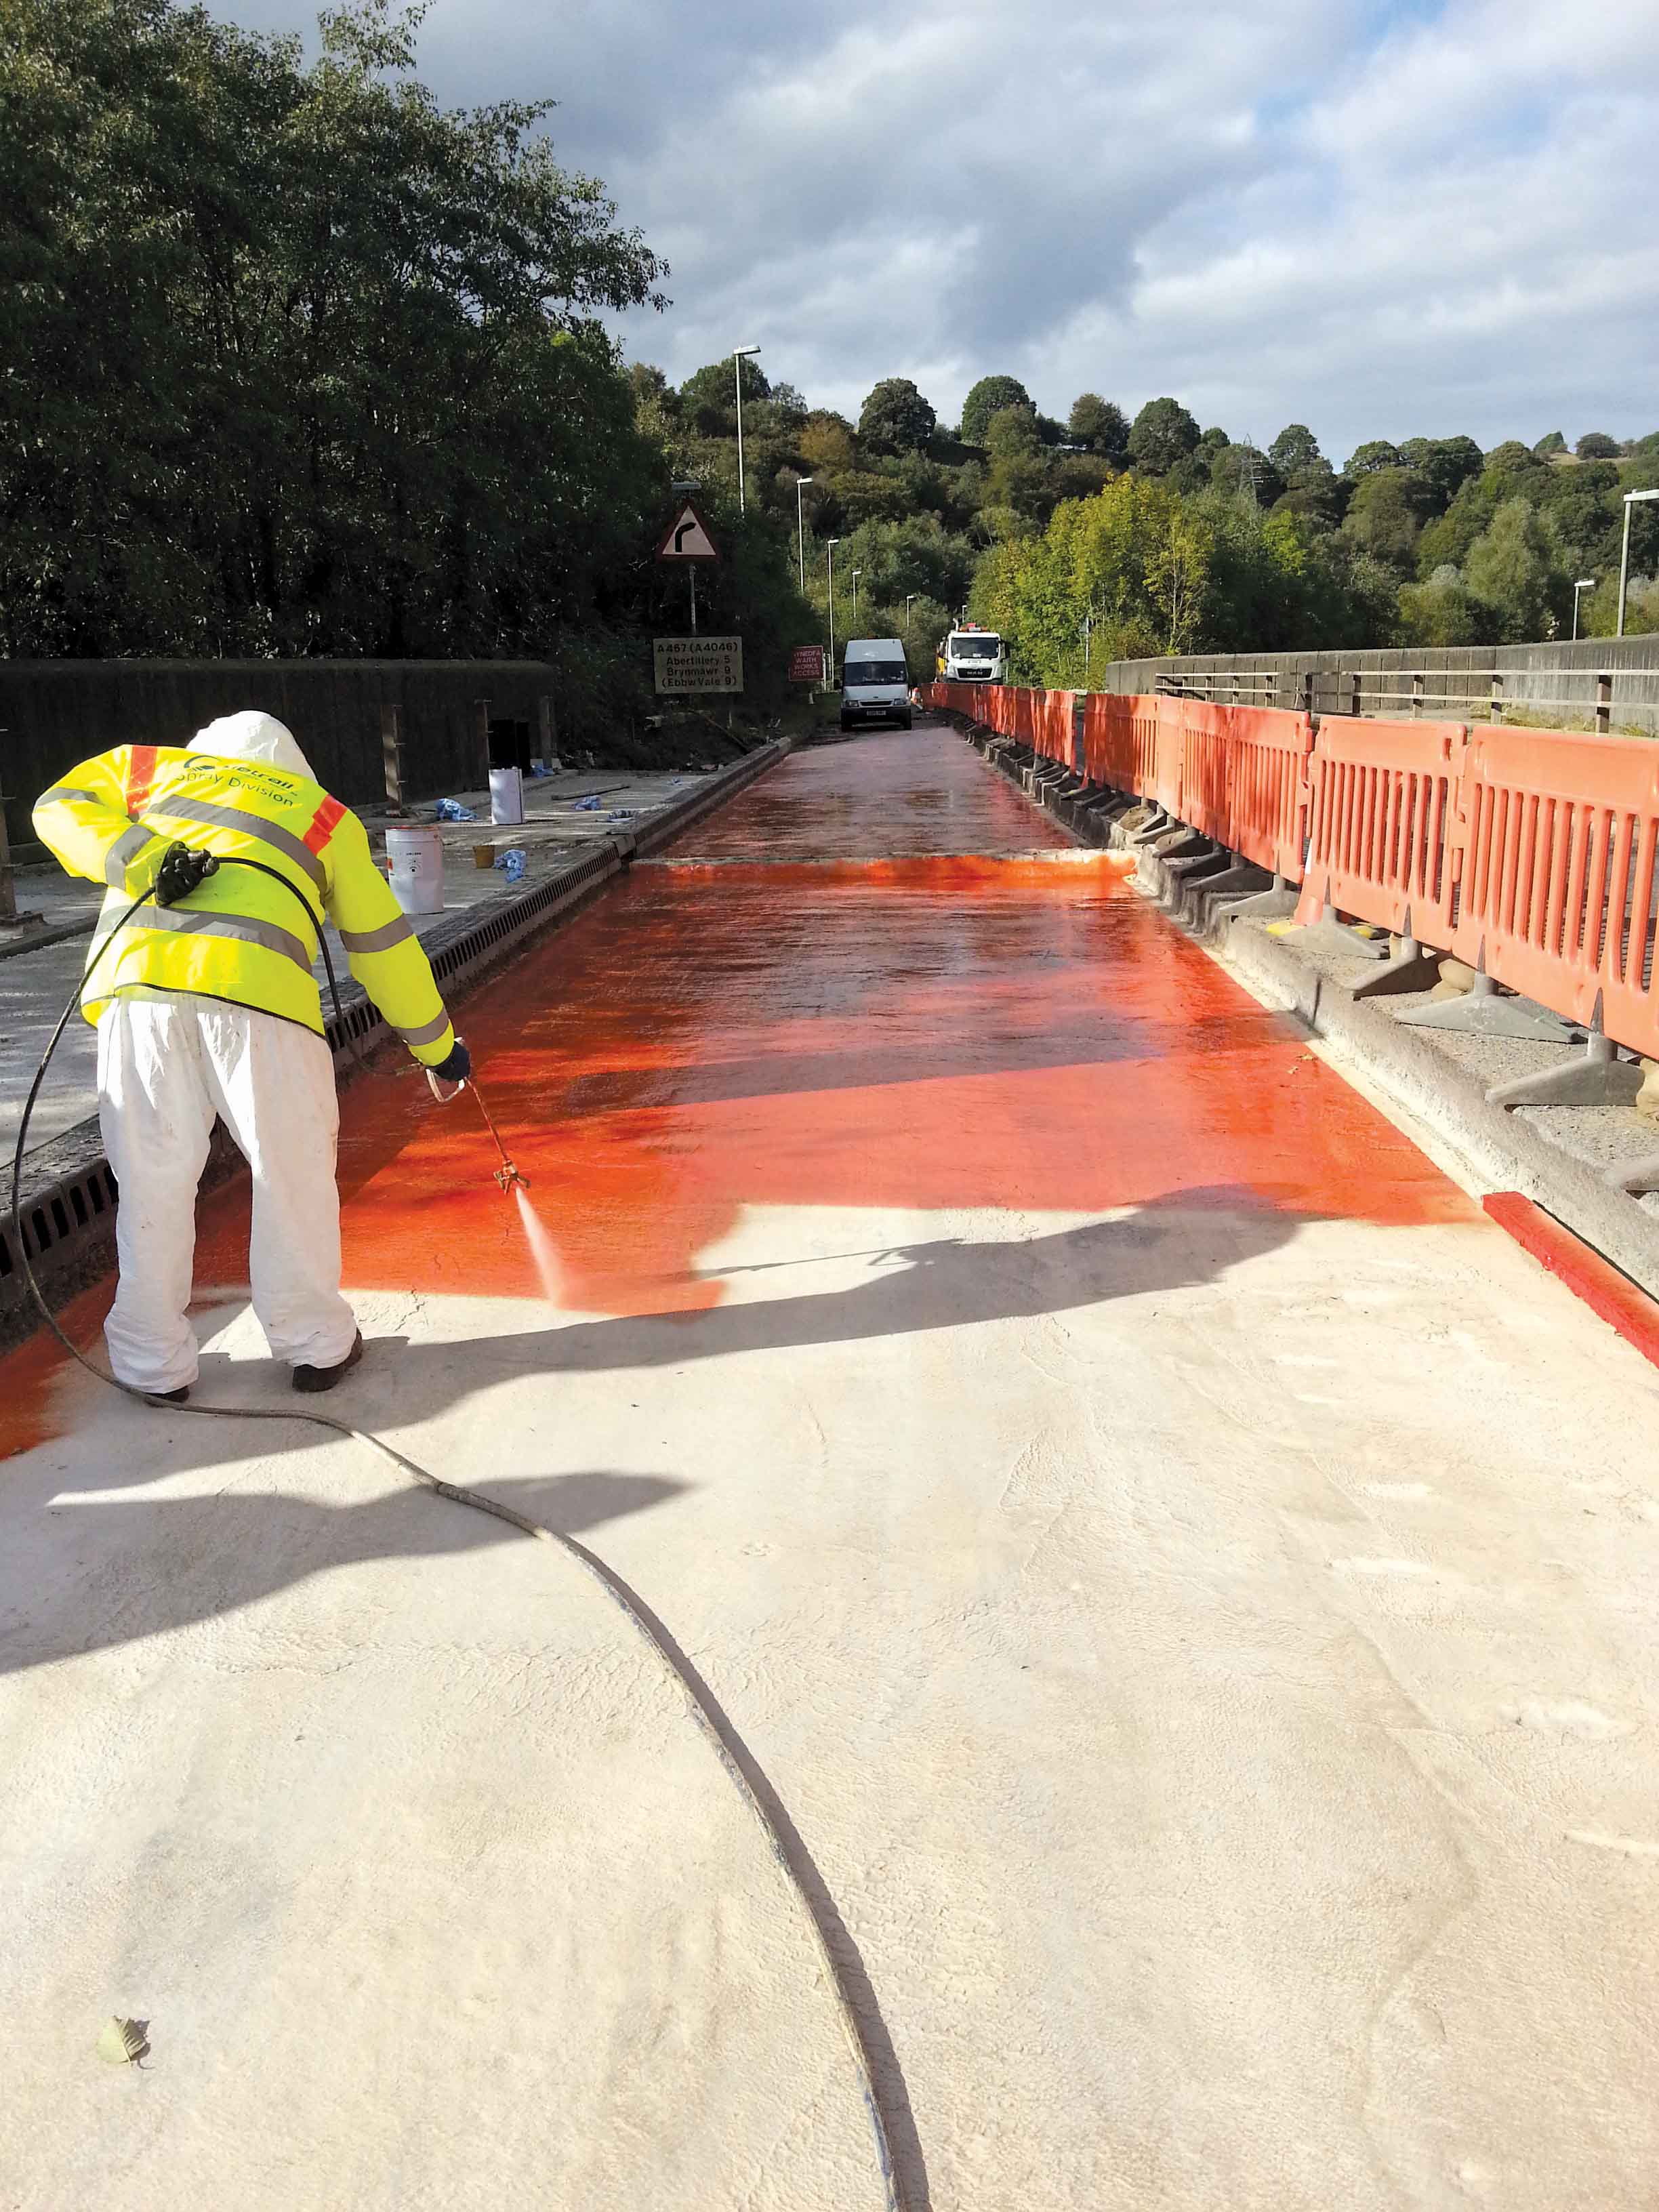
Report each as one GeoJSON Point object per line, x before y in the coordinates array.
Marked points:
{"type": "Point", "coordinates": [239, 936]}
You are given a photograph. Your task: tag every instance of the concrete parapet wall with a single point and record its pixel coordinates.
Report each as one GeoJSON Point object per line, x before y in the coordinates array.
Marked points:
{"type": "Point", "coordinates": [1550, 683]}
{"type": "Point", "coordinates": [54, 713]}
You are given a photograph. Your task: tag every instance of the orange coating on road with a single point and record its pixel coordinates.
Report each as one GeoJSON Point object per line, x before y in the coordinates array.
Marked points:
{"type": "Point", "coordinates": [922, 1034]}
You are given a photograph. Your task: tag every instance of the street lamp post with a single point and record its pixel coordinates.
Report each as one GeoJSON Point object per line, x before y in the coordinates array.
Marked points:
{"type": "Point", "coordinates": [857, 573]}
{"type": "Point", "coordinates": [800, 531]}
{"type": "Point", "coordinates": [1631, 498]}
{"type": "Point", "coordinates": [1582, 585]}
{"type": "Point", "coordinates": [908, 596]}
{"type": "Point", "coordinates": [831, 544]}
{"type": "Point", "coordinates": [737, 355]}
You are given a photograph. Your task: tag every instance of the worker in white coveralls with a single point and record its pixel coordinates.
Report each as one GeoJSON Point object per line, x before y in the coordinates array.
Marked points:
{"type": "Point", "coordinates": [206, 1006]}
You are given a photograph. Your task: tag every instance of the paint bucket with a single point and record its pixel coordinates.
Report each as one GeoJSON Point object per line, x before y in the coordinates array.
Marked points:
{"type": "Point", "coordinates": [418, 869]}
{"type": "Point", "coordinates": [506, 795]}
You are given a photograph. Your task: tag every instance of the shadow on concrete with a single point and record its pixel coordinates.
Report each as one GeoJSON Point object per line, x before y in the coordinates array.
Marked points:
{"type": "Point", "coordinates": [1186, 1238]}
{"type": "Point", "coordinates": [188, 1559]}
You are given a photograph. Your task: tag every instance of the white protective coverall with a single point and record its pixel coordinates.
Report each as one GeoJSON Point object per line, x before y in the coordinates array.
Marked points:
{"type": "Point", "coordinates": [167, 1065]}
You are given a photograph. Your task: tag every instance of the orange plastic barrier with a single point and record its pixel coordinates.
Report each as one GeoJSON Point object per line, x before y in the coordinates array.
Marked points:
{"type": "Point", "coordinates": [1203, 732]}
{"type": "Point", "coordinates": [1385, 832]}
{"type": "Point", "coordinates": [1054, 723]}
{"type": "Point", "coordinates": [1267, 787]}
{"type": "Point", "coordinates": [1558, 897]}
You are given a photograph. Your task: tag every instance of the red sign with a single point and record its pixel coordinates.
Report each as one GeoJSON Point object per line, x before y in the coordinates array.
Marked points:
{"type": "Point", "coordinates": [806, 665]}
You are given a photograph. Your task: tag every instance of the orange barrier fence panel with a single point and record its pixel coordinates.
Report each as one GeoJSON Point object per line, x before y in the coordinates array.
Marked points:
{"type": "Point", "coordinates": [1205, 766]}
{"type": "Point", "coordinates": [1057, 722]}
{"type": "Point", "coordinates": [1558, 897]}
{"type": "Point", "coordinates": [1119, 740]}
{"type": "Point", "coordinates": [1267, 793]}
{"type": "Point", "coordinates": [1385, 830]}
{"type": "Point", "coordinates": [1166, 790]}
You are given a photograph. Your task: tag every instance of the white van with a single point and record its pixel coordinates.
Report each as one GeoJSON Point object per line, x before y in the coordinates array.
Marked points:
{"type": "Point", "coordinates": [875, 683]}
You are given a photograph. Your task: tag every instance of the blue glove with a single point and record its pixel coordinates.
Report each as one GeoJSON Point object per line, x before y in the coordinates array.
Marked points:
{"type": "Point", "coordinates": [457, 1067]}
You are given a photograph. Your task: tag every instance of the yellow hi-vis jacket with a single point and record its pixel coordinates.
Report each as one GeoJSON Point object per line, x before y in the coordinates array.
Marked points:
{"type": "Point", "coordinates": [239, 936]}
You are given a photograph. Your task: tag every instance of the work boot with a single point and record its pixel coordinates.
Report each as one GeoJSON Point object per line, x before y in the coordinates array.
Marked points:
{"type": "Point", "coordinates": [325, 1378]}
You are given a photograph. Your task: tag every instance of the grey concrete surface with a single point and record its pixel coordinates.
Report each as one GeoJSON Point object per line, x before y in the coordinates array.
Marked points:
{"type": "Point", "coordinates": [34, 985]}
{"type": "Point", "coordinates": [1219, 1694]}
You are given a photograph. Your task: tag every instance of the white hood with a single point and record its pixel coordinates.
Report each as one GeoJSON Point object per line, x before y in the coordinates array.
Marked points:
{"type": "Point", "coordinates": [252, 735]}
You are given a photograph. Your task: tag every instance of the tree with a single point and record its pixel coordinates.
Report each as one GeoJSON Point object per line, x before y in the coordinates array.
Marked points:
{"type": "Point", "coordinates": [1377, 453]}
{"type": "Point", "coordinates": [1163, 433]}
{"type": "Point", "coordinates": [1386, 514]}
{"type": "Point", "coordinates": [1597, 445]}
{"type": "Point", "coordinates": [348, 391]}
{"type": "Point", "coordinates": [1513, 570]}
{"type": "Point", "coordinates": [896, 418]}
{"type": "Point", "coordinates": [1440, 612]}
{"type": "Point", "coordinates": [1552, 442]}
{"type": "Point", "coordinates": [1445, 463]}
{"type": "Point", "coordinates": [708, 398]}
{"type": "Point", "coordinates": [1294, 450]}
{"type": "Point", "coordinates": [1099, 425]}
{"type": "Point", "coordinates": [986, 398]}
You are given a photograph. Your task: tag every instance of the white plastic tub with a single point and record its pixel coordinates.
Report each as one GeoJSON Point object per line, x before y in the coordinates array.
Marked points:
{"type": "Point", "coordinates": [506, 795]}
{"type": "Point", "coordinates": [418, 869]}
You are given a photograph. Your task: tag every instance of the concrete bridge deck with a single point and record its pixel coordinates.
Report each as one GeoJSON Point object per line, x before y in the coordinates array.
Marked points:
{"type": "Point", "coordinates": [1189, 1577]}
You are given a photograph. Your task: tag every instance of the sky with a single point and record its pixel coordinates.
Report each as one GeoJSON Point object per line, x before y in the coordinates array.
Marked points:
{"type": "Point", "coordinates": [1382, 218]}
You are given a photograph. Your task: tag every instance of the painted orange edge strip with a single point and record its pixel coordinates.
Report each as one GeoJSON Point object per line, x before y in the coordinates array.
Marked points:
{"type": "Point", "coordinates": [1623, 1305]}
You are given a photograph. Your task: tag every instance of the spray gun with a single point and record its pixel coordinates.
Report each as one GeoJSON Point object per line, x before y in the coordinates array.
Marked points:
{"type": "Point", "coordinates": [507, 1174]}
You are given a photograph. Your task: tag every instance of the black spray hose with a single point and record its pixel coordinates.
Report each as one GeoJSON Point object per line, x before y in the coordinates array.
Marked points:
{"type": "Point", "coordinates": [785, 1845]}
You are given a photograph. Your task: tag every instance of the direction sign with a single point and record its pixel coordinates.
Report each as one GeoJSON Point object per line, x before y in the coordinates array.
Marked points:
{"type": "Point", "coordinates": [698, 663]}
{"type": "Point", "coordinates": [687, 538]}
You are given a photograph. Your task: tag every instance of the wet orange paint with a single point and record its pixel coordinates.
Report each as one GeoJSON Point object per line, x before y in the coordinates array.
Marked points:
{"type": "Point", "coordinates": [762, 1023]}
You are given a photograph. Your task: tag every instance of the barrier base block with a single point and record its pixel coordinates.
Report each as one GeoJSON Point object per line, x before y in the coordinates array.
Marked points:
{"type": "Point", "coordinates": [1597, 1077]}
{"type": "Point", "coordinates": [1278, 901]}
{"type": "Point", "coordinates": [1488, 1012]}
{"type": "Point", "coordinates": [1337, 937]}
{"type": "Point", "coordinates": [1185, 865]}
{"type": "Point", "coordinates": [1411, 969]}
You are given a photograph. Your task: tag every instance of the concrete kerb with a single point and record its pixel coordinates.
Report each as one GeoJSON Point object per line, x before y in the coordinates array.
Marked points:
{"type": "Point", "coordinates": [69, 1197]}
{"type": "Point", "coordinates": [1500, 1150]}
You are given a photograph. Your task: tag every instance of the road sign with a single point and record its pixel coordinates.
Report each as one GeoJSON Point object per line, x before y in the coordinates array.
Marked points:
{"type": "Point", "coordinates": [806, 665]}
{"type": "Point", "coordinates": [687, 538]}
{"type": "Point", "coordinates": [699, 664]}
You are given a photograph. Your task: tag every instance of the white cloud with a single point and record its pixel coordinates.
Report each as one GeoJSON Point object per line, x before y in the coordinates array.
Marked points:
{"type": "Point", "coordinates": [1375, 218]}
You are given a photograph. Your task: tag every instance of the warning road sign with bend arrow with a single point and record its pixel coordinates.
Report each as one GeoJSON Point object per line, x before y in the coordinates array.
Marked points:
{"type": "Point", "coordinates": [687, 538]}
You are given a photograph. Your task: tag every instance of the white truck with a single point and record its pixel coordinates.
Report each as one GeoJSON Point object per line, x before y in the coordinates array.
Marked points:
{"type": "Point", "coordinates": [875, 683]}
{"type": "Point", "coordinates": [974, 656]}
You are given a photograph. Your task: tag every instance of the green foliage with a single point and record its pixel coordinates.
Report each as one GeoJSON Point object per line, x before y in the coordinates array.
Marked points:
{"type": "Point", "coordinates": [1552, 442]}
{"type": "Point", "coordinates": [1386, 514]}
{"type": "Point", "coordinates": [1163, 433]}
{"type": "Point", "coordinates": [1376, 453]}
{"type": "Point", "coordinates": [1294, 450]}
{"type": "Point", "coordinates": [1513, 570]}
{"type": "Point", "coordinates": [1100, 426]}
{"type": "Point", "coordinates": [1597, 445]}
{"type": "Point", "coordinates": [1440, 612]}
{"type": "Point", "coordinates": [987, 398]}
{"type": "Point", "coordinates": [1156, 572]}
{"type": "Point", "coordinates": [708, 398]}
{"type": "Point", "coordinates": [346, 391]}
{"type": "Point", "coordinates": [896, 417]}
